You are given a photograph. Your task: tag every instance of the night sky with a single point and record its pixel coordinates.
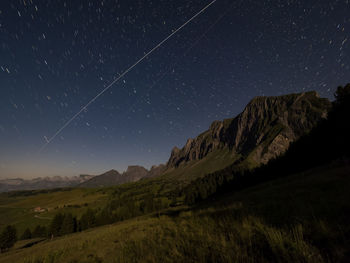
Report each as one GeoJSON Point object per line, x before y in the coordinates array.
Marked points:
{"type": "Point", "coordinates": [55, 56]}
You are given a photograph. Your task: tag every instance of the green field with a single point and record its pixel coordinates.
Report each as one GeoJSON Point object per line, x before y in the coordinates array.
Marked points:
{"type": "Point", "coordinates": [299, 218]}
{"type": "Point", "coordinates": [214, 161]}
{"type": "Point", "coordinates": [17, 208]}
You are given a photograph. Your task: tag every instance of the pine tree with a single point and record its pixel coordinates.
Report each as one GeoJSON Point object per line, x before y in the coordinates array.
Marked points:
{"type": "Point", "coordinates": [27, 234]}
{"type": "Point", "coordinates": [8, 238]}
{"type": "Point", "coordinates": [39, 231]}
{"type": "Point", "coordinates": [56, 225]}
{"type": "Point", "coordinates": [88, 220]}
{"type": "Point", "coordinates": [68, 224]}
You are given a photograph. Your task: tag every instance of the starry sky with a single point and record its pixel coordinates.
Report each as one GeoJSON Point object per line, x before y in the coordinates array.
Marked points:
{"type": "Point", "coordinates": [56, 55]}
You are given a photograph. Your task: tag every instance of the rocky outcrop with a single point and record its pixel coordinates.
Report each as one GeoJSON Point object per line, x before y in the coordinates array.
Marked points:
{"type": "Point", "coordinates": [135, 173]}
{"type": "Point", "coordinates": [264, 129]}
{"type": "Point", "coordinates": [156, 170]}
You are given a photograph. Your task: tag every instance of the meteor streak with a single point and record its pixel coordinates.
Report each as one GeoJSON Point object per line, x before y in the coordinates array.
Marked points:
{"type": "Point", "coordinates": [48, 141]}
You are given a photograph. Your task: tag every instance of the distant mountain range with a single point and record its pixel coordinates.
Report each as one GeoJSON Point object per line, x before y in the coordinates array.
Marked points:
{"type": "Point", "coordinates": [110, 178]}
{"type": "Point", "coordinates": [7, 185]}
{"type": "Point", "coordinates": [263, 131]}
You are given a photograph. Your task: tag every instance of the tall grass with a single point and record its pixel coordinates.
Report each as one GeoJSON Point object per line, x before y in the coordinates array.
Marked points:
{"type": "Point", "coordinates": [302, 218]}
{"type": "Point", "coordinates": [189, 238]}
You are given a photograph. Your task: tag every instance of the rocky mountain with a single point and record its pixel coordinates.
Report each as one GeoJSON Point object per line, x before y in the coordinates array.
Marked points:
{"type": "Point", "coordinates": [264, 130]}
{"type": "Point", "coordinates": [111, 177]}
{"type": "Point", "coordinates": [261, 132]}
{"type": "Point", "coordinates": [156, 170]}
{"type": "Point", "coordinates": [132, 174]}
{"type": "Point", "coordinates": [135, 173]}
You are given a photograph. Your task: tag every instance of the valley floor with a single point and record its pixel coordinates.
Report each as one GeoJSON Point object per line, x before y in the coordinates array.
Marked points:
{"type": "Point", "coordinates": [299, 218]}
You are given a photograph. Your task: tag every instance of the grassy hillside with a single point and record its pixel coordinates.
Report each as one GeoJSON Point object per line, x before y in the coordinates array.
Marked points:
{"type": "Point", "coordinates": [17, 208]}
{"type": "Point", "coordinates": [299, 218]}
{"type": "Point", "coordinates": [214, 161]}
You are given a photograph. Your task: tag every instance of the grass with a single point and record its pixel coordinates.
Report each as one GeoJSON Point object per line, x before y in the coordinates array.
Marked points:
{"type": "Point", "coordinates": [317, 193]}
{"type": "Point", "coordinates": [18, 210]}
{"type": "Point", "coordinates": [214, 161]}
{"type": "Point", "coordinates": [187, 238]}
{"type": "Point", "coordinates": [299, 218]}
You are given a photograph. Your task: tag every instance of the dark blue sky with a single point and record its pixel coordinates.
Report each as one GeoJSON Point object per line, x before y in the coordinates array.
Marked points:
{"type": "Point", "coordinates": [57, 55]}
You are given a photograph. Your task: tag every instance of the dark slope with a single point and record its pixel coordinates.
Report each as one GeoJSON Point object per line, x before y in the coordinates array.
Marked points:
{"type": "Point", "coordinates": [329, 141]}
{"type": "Point", "coordinates": [109, 178]}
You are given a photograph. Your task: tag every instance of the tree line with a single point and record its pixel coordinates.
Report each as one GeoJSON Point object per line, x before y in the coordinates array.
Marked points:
{"type": "Point", "coordinates": [8, 238]}
{"type": "Point", "coordinates": [117, 209]}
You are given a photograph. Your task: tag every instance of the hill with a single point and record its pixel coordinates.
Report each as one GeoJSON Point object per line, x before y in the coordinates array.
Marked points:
{"type": "Point", "coordinates": [18, 208]}
{"type": "Point", "coordinates": [294, 219]}
{"type": "Point", "coordinates": [111, 177]}
{"type": "Point", "coordinates": [328, 141]}
{"type": "Point", "coordinates": [263, 131]}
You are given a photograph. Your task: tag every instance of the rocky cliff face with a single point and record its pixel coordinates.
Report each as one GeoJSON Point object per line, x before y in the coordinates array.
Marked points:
{"type": "Point", "coordinates": [156, 170]}
{"type": "Point", "coordinates": [135, 173]}
{"type": "Point", "coordinates": [262, 131]}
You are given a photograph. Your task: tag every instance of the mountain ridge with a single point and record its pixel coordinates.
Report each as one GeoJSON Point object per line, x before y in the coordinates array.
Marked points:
{"type": "Point", "coordinates": [262, 131]}
{"type": "Point", "coordinates": [19, 184]}
{"type": "Point", "coordinates": [133, 173]}
{"type": "Point", "coordinates": [112, 177]}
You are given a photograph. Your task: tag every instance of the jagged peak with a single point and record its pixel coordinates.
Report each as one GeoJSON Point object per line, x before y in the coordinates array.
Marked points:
{"type": "Point", "coordinates": [189, 142]}
{"type": "Point", "coordinates": [263, 117]}
{"type": "Point", "coordinates": [175, 149]}
{"type": "Point", "coordinates": [112, 171]}
{"type": "Point", "coordinates": [135, 167]}
{"type": "Point", "coordinates": [215, 124]}
{"type": "Point", "coordinates": [157, 166]}
{"type": "Point", "coordinates": [286, 96]}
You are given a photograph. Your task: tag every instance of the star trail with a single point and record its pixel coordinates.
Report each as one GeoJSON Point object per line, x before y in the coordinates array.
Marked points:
{"type": "Point", "coordinates": [55, 56]}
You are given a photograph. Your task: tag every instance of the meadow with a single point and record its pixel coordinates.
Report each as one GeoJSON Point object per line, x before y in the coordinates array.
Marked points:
{"type": "Point", "coordinates": [17, 208]}
{"type": "Point", "coordinates": [298, 218]}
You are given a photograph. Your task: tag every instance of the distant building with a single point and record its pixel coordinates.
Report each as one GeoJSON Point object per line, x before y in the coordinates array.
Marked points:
{"type": "Point", "coordinates": [39, 209]}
